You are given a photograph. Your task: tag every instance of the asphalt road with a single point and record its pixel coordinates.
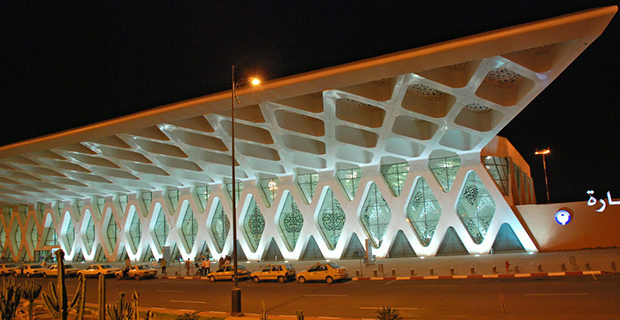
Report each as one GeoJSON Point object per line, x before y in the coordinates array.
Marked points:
{"type": "Point", "coordinates": [575, 297]}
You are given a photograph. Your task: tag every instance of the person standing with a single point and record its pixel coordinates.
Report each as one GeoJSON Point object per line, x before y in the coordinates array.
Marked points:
{"type": "Point", "coordinates": [163, 266]}
{"type": "Point", "coordinates": [188, 265]}
{"type": "Point", "coordinates": [206, 267]}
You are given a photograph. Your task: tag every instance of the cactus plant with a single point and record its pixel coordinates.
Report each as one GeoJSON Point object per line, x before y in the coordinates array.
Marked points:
{"type": "Point", "coordinates": [9, 298]}
{"type": "Point", "coordinates": [150, 315]}
{"type": "Point", "coordinates": [30, 292]}
{"type": "Point", "coordinates": [388, 313]}
{"type": "Point", "coordinates": [299, 314]}
{"type": "Point", "coordinates": [263, 313]}
{"type": "Point", "coordinates": [122, 310]}
{"type": "Point", "coordinates": [102, 293]}
{"type": "Point", "coordinates": [56, 300]}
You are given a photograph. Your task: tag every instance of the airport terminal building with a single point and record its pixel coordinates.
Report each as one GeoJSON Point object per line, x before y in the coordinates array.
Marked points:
{"type": "Point", "coordinates": [395, 156]}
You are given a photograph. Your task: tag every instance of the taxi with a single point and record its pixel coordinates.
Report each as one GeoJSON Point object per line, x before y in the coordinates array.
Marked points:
{"type": "Point", "coordinates": [280, 272]}
{"type": "Point", "coordinates": [95, 269]}
{"type": "Point", "coordinates": [138, 272]}
{"type": "Point", "coordinates": [329, 272]}
{"type": "Point", "coordinates": [52, 271]}
{"type": "Point", "coordinates": [226, 271]}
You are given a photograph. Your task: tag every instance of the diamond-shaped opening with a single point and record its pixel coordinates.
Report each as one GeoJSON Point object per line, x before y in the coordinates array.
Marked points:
{"type": "Point", "coordinates": [21, 160]}
{"type": "Point", "coordinates": [189, 226]}
{"type": "Point", "coordinates": [395, 172]}
{"type": "Point", "coordinates": [89, 177]}
{"type": "Point", "coordinates": [256, 151]}
{"type": "Point", "coordinates": [423, 212]}
{"type": "Point", "coordinates": [173, 198]}
{"type": "Point", "coordinates": [475, 207]}
{"type": "Point", "coordinates": [302, 144]}
{"type": "Point", "coordinates": [300, 123]}
{"type": "Point", "coordinates": [219, 225]}
{"type": "Point", "coordinates": [404, 148]}
{"type": "Point", "coordinates": [266, 166]}
{"type": "Point", "coordinates": [358, 137]}
{"type": "Point", "coordinates": [312, 251]}
{"type": "Point", "coordinates": [375, 215]}
{"type": "Point", "coordinates": [110, 230]}
{"type": "Point", "coordinates": [68, 232]}
{"type": "Point", "coordinates": [224, 170]}
{"type": "Point", "coordinates": [33, 235]}
{"type": "Point", "coordinates": [200, 140]}
{"type": "Point", "coordinates": [498, 169]}
{"type": "Point", "coordinates": [543, 58]}
{"type": "Point", "coordinates": [250, 113]}
{"type": "Point", "coordinates": [115, 173]}
{"type": "Point", "coordinates": [79, 148]}
{"type": "Point", "coordinates": [353, 154]}
{"type": "Point", "coordinates": [379, 90]}
{"type": "Point", "coordinates": [135, 230]}
{"type": "Point", "coordinates": [331, 219]}
{"type": "Point", "coordinates": [160, 227]}
{"type": "Point", "coordinates": [112, 141]}
{"type": "Point", "coordinates": [203, 193]}
{"type": "Point", "coordinates": [43, 171]}
{"type": "Point", "coordinates": [148, 169]}
{"type": "Point", "coordinates": [504, 87]}
{"type": "Point", "coordinates": [253, 223]}
{"type": "Point", "coordinates": [178, 163]}
{"type": "Point", "coordinates": [359, 113]}
{"type": "Point", "coordinates": [414, 128]}
{"type": "Point", "coordinates": [246, 132]}
{"type": "Point", "coordinates": [455, 76]}
{"type": "Point", "coordinates": [151, 133]}
{"type": "Point", "coordinates": [69, 182]}
{"type": "Point", "coordinates": [214, 157]}
{"type": "Point", "coordinates": [451, 244]}
{"type": "Point", "coordinates": [459, 140]}
{"type": "Point", "coordinates": [306, 160]}
{"type": "Point", "coordinates": [160, 148]}
{"type": "Point", "coordinates": [199, 123]}
{"type": "Point", "coordinates": [65, 165]}
{"type": "Point", "coordinates": [349, 178]}
{"type": "Point", "coordinates": [354, 249]}
{"type": "Point", "coordinates": [272, 253]}
{"type": "Point", "coordinates": [507, 240]}
{"type": "Point", "coordinates": [479, 117]}
{"type": "Point", "coordinates": [87, 233]}
{"type": "Point", "coordinates": [428, 101]}
{"type": "Point", "coordinates": [290, 222]}
{"type": "Point", "coordinates": [310, 102]}
{"type": "Point", "coordinates": [124, 154]}
{"type": "Point", "coordinates": [269, 186]}
{"type": "Point", "coordinates": [47, 154]}
{"type": "Point", "coordinates": [401, 248]}
{"type": "Point", "coordinates": [444, 165]}
{"type": "Point", "coordinates": [307, 182]}
{"type": "Point", "coordinates": [49, 236]}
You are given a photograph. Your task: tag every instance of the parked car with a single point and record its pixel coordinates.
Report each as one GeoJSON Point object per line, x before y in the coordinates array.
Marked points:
{"type": "Point", "coordinates": [95, 269]}
{"type": "Point", "coordinates": [137, 272]}
{"type": "Point", "coordinates": [29, 270]}
{"type": "Point", "coordinates": [8, 268]}
{"type": "Point", "coordinates": [329, 272]}
{"type": "Point", "coordinates": [52, 271]}
{"type": "Point", "coordinates": [280, 272]}
{"type": "Point", "coordinates": [226, 271]}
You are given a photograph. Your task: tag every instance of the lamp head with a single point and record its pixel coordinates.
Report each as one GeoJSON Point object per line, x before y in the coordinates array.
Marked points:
{"type": "Point", "coordinates": [254, 81]}
{"type": "Point", "coordinates": [543, 151]}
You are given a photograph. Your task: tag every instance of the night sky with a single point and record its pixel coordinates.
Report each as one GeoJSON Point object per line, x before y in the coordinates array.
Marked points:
{"type": "Point", "coordinates": [65, 65]}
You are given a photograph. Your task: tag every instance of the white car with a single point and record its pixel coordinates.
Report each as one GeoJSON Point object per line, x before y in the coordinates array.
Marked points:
{"type": "Point", "coordinates": [52, 271]}
{"type": "Point", "coordinates": [95, 269]}
{"type": "Point", "coordinates": [29, 270]}
{"type": "Point", "coordinates": [138, 272]}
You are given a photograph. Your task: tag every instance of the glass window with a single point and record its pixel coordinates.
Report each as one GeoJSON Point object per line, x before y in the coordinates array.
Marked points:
{"type": "Point", "coordinates": [475, 207]}
{"type": "Point", "coordinates": [147, 198]}
{"type": "Point", "coordinates": [307, 183]}
{"type": "Point", "coordinates": [253, 225]}
{"type": "Point", "coordinates": [498, 169]}
{"type": "Point", "coordinates": [173, 196]}
{"type": "Point", "coordinates": [238, 190]}
{"type": "Point", "coordinates": [395, 176]}
{"type": "Point", "coordinates": [189, 227]}
{"type": "Point", "coordinates": [375, 215]}
{"type": "Point", "coordinates": [135, 231]}
{"type": "Point", "coordinates": [161, 228]}
{"type": "Point", "coordinates": [331, 219]}
{"type": "Point", "coordinates": [270, 189]}
{"type": "Point", "coordinates": [350, 180]}
{"type": "Point", "coordinates": [220, 226]}
{"type": "Point", "coordinates": [444, 170]}
{"type": "Point", "coordinates": [291, 222]}
{"type": "Point", "coordinates": [203, 192]}
{"type": "Point", "coordinates": [423, 212]}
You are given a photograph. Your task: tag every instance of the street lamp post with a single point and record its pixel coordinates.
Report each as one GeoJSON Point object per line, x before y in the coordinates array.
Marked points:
{"type": "Point", "coordinates": [545, 152]}
{"type": "Point", "coordinates": [236, 291]}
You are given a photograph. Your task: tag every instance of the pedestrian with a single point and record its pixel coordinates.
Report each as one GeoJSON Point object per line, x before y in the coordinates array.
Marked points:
{"type": "Point", "coordinates": [43, 263]}
{"type": "Point", "coordinates": [227, 259]}
{"type": "Point", "coordinates": [206, 267]}
{"type": "Point", "coordinates": [188, 265]}
{"type": "Point", "coordinates": [221, 261]}
{"type": "Point", "coordinates": [507, 266]}
{"type": "Point", "coordinates": [163, 266]}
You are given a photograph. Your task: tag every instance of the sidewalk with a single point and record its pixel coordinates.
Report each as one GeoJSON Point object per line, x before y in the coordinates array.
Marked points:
{"type": "Point", "coordinates": [575, 262]}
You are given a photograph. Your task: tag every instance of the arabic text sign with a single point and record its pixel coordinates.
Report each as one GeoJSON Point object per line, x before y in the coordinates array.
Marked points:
{"type": "Point", "coordinates": [592, 201]}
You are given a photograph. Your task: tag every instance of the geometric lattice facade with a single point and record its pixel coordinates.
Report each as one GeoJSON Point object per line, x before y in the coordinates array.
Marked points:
{"type": "Point", "coordinates": [395, 149]}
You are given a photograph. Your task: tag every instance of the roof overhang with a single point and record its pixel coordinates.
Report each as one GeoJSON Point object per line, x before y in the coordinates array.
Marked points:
{"type": "Point", "coordinates": [447, 98]}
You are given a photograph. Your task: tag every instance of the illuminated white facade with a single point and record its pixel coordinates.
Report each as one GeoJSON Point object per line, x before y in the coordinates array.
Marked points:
{"type": "Point", "coordinates": [399, 149]}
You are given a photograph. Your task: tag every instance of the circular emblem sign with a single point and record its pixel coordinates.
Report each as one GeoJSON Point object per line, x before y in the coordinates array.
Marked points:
{"type": "Point", "coordinates": [562, 217]}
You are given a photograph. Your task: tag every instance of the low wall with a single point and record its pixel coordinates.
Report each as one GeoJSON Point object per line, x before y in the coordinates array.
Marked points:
{"type": "Point", "coordinates": [587, 229]}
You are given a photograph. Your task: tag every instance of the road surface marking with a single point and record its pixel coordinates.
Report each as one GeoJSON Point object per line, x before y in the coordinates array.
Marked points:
{"type": "Point", "coordinates": [326, 295]}
{"type": "Point", "coordinates": [557, 294]}
{"type": "Point", "coordinates": [594, 276]}
{"type": "Point", "coordinates": [157, 308]}
{"type": "Point", "coordinates": [169, 291]}
{"type": "Point", "coordinates": [188, 301]}
{"type": "Point", "coordinates": [390, 282]}
{"type": "Point", "coordinates": [222, 312]}
{"type": "Point", "coordinates": [186, 310]}
{"type": "Point", "coordinates": [460, 277]}
{"type": "Point", "coordinates": [252, 314]}
{"type": "Point", "coordinates": [398, 308]}
{"type": "Point", "coordinates": [490, 276]}
{"type": "Point", "coordinates": [329, 317]}
{"type": "Point", "coordinates": [523, 275]}
{"type": "Point", "coordinates": [556, 274]}
{"type": "Point", "coordinates": [287, 316]}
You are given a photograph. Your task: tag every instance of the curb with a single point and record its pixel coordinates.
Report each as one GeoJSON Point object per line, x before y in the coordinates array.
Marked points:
{"type": "Point", "coordinates": [489, 276]}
